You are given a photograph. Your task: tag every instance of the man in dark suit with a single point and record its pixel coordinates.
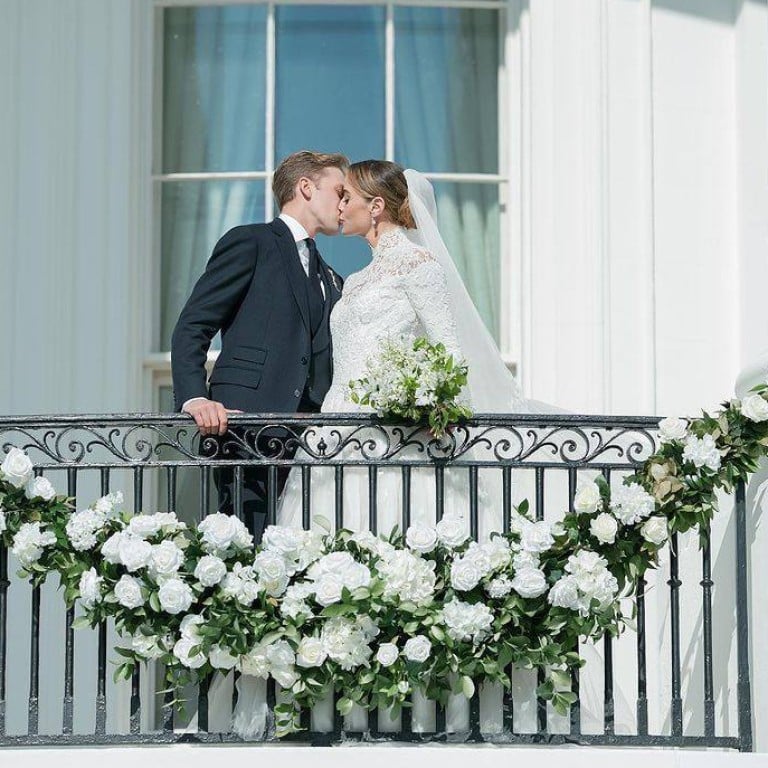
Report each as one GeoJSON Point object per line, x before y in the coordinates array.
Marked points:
{"type": "Point", "coordinates": [269, 292]}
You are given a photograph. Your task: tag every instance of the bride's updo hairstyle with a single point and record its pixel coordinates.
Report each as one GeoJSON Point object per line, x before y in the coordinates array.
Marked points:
{"type": "Point", "coordinates": [381, 178]}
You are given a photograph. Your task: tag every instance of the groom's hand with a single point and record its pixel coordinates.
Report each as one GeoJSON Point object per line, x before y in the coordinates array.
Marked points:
{"type": "Point", "coordinates": [210, 416]}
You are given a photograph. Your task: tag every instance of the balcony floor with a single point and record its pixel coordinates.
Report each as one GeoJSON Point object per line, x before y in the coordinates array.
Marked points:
{"type": "Point", "coordinates": [242, 756]}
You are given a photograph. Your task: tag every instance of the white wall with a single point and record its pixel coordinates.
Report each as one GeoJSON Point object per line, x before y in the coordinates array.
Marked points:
{"type": "Point", "coordinates": [642, 187]}
{"type": "Point", "coordinates": [72, 214]}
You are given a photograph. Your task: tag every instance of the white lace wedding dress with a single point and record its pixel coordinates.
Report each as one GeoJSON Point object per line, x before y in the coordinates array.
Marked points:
{"type": "Point", "coordinates": [402, 292]}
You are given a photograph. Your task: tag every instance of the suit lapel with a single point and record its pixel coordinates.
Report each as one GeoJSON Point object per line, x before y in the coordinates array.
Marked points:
{"type": "Point", "coordinates": [293, 269]}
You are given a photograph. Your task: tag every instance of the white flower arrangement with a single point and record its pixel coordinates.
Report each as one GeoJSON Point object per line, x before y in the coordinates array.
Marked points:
{"type": "Point", "coordinates": [414, 380]}
{"type": "Point", "coordinates": [376, 618]}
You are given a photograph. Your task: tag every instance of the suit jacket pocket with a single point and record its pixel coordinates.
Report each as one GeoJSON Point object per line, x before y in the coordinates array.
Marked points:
{"type": "Point", "coordinates": [250, 354]}
{"type": "Point", "coordinates": [230, 374]}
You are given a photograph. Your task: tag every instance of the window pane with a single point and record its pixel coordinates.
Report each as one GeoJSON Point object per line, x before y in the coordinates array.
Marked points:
{"type": "Point", "coordinates": [330, 80]}
{"type": "Point", "coordinates": [214, 72]}
{"type": "Point", "coordinates": [195, 215]}
{"type": "Point", "coordinates": [468, 215]}
{"type": "Point", "coordinates": [446, 100]}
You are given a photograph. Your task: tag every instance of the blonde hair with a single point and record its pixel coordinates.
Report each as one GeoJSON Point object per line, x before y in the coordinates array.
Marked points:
{"type": "Point", "coordinates": [381, 178]}
{"type": "Point", "coordinates": [299, 165]}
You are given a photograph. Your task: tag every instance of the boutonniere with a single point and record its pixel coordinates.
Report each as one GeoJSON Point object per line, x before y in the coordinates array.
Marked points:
{"type": "Point", "coordinates": [334, 280]}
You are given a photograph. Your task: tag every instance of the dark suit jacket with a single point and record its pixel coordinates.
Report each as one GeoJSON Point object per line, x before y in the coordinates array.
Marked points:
{"type": "Point", "coordinates": [254, 290]}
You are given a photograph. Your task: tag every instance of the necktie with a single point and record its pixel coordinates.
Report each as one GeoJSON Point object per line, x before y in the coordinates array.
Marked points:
{"type": "Point", "coordinates": [315, 292]}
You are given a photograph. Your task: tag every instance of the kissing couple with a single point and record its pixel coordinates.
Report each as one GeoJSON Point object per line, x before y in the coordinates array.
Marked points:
{"type": "Point", "coordinates": [294, 334]}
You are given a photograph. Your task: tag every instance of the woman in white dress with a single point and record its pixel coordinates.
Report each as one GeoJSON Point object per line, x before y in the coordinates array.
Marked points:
{"type": "Point", "coordinates": [403, 292]}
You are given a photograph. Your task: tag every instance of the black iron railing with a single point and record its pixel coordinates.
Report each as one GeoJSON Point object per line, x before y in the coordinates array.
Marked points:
{"type": "Point", "coordinates": [157, 462]}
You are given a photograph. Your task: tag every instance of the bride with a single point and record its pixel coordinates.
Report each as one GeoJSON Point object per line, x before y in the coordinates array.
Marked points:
{"type": "Point", "coordinates": [410, 288]}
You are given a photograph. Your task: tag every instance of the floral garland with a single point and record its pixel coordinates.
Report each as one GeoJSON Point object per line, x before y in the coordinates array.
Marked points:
{"type": "Point", "coordinates": [378, 618]}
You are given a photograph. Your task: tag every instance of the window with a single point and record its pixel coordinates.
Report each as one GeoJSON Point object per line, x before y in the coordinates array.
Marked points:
{"type": "Point", "coordinates": [244, 85]}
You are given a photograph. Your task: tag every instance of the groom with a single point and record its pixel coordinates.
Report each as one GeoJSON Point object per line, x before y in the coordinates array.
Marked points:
{"type": "Point", "coordinates": [269, 292]}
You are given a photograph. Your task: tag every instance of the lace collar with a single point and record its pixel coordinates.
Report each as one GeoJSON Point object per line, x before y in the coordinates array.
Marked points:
{"type": "Point", "coordinates": [389, 240]}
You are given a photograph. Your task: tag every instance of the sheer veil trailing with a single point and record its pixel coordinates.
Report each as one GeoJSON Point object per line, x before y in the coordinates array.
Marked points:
{"type": "Point", "coordinates": [492, 387]}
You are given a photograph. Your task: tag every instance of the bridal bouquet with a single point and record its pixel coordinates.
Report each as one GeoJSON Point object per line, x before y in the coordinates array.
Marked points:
{"type": "Point", "coordinates": [414, 380]}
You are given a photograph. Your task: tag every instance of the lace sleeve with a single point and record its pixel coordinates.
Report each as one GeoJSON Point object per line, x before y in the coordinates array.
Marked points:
{"type": "Point", "coordinates": [427, 291]}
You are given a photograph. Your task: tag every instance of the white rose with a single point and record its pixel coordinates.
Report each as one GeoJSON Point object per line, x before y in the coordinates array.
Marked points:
{"type": "Point", "coordinates": [272, 571]}
{"type": "Point", "coordinates": [421, 538]}
{"type": "Point", "coordinates": [587, 499]}
{"type": "Point", "coordinates": [565, 593]}
{"type": "Point", "coordinates": [530, 582]}
{"type": "Point", "coordinates": [190, 626]}
{"type": "Point", "coordinates": [144, 526]}
{"type": "Point", "coordinates": [311, 652]}
{"type": "Point", "coordinates": [175, 596]}
{"type": "Point", "coordinates": [334, 564]}
{"type": "Point", "coordinates": [671, 429]}
{"type": "Point", "coordinates": [604, 528]}
{"type": "Point", "coordinates": [417, 649]}
{"type": "Point", "coordinates": [134, 552]}
{"type": "Point", "coordinates": [498, 552]}
{"type": "Point", "coordinates": [220, 531]}
{"type": "Point", "coordinates": [387, 654]}
{"type": "Point", "coordinates": [106, 504]}
{"type": "Point", "coordinates": [128, 592]}
{"type": "Point", "coordinates": [146, 646]}
{"type": "Point", "coordinates": [356, 576]}
{"type": "Point", "coordinates": [210, 570]}
{"type": "Point", "coordinates": [755, 407]}
{"type": "Point", "coordinates": [465, 574]}
{"type": "Point", "coordinates": [702, 451]}
{"type": "Point", "coordinates": [536, 537]}
{"type": "Point", "coordinates": [452, 531]}
{"type": "Point", "coordinates": [280, 654]}
{"type": "Point", "coordinates": [90, 588]}
{"type": "Point", "coordinates": [328, 590]}
{"type": "Point", "coordinates": [255, 662]}
{"type": "Point", "coordinates": [166, 559]}
{"type": "Point", "coordinates": [182, 652]}
{"type": "Point", "coordinates": [285, 541]}
{"type": "Point", "coordinates": [631, 503]}
{"type": "Point", "coordinates": [29, 542]}
{"type": "Point", "coordinates": [221, 658]}
{"type": "Point", "coordinates": [654, 530]}
{"type": "Point", "coordinates": [17, 468]}
{"type": "Point", "coordinates": [40, 488]}
{"type": "Point", "coordinates": [110, 549]}
{"type": "Point", "coordinates": [365, 540]}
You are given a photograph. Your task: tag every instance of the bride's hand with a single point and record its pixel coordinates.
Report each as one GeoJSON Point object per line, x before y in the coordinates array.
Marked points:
{"type": "Point", "coordinates": [209, 415]}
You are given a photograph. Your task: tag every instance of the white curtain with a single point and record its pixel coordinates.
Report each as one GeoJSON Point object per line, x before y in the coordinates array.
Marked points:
{"type": "Point", "coordinates": [446, 67]}
{"type": "Point", "coordinates": [213, 120]}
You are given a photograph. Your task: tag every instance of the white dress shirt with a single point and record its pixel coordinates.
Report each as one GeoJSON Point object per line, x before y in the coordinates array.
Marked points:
{"type": "Point", "coordinates": [300, 236]}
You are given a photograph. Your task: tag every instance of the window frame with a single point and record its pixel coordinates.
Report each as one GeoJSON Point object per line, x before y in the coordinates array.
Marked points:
{"type": "Point", "coordinates": [157, 363]}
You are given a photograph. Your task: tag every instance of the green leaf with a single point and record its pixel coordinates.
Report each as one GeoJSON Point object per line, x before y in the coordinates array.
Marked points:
{"type": "Point", "coordinates": [467, 687]}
